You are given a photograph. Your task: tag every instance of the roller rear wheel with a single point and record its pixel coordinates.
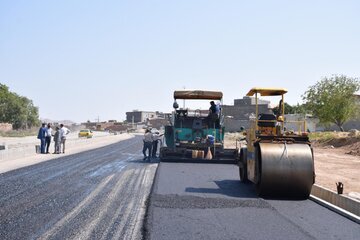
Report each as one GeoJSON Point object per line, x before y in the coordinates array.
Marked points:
{"type": "Point", "coordinates": [243, 166]}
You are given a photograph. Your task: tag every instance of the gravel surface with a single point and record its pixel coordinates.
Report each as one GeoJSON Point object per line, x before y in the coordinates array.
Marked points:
{"type": "Point", "coordinates": [207, 201]}
{"type": "Point", "coordinates": [96, 194]}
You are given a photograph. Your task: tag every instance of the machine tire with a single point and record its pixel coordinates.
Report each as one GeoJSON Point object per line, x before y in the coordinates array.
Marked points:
{"type": "Point", "coordinates": [243, 166]}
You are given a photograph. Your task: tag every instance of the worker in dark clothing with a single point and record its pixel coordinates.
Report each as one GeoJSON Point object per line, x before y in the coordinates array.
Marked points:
{"type": "Point", "coordinates": [41, 136]}
{"type": "Point", "coordinates": [213, 108]}
{"type": "Point", "coordinates": [213, 117]}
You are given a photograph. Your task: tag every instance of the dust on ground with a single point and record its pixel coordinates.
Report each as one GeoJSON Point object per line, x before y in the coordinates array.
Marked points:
{"type": "Point", "coordinates": [337, 159]}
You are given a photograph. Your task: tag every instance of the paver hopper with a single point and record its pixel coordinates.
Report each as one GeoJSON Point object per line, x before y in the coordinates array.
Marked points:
{"type": "Point", "coordinates": [195, 135]}
{"type": "Point", "coordinates": [279, 162]}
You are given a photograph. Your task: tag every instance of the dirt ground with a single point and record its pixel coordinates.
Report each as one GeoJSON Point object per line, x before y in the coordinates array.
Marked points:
{"type": "Point", "coordinates": [335, 161]}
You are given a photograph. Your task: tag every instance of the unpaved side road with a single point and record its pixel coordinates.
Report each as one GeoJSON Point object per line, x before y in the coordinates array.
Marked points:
{"type": "Point", "coordinates": [334, 165]}
{"type": "Point", "coordinates": [96, 194]}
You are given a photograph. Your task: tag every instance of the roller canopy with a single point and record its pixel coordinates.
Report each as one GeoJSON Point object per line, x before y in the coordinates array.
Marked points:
{"type": "Point", "coordinates": [198, 94]}
{"type": "Point", "coordinates": [267, 91]}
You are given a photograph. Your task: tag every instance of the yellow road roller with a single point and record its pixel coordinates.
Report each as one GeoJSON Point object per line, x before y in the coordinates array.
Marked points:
{"type": "Point", "coordinates": [279, 161]}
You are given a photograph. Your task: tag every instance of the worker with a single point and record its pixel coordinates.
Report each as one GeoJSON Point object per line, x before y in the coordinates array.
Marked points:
{"type": "Point", "coordinates": [63, 132]}
{"type": "Point", "coordinates": [156, 138]}
{"type": "Point", "coordinates": [48, 135]}
{"type": "Point", "coordinates": [57, 140]}
{"type": "Point", "coordinates": [213, 117]}
{"type": "Point", "coordinates": [148, 141]}
{"type": "Point", "coordinates": [212, 109]}
{"type": "Point", "coordinates": [41, 136]}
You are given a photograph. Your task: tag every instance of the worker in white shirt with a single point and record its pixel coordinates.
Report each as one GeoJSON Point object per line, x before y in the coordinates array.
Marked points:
{"type": "Point", "coordinates": [148, 140]}
{"type": "Point", "coordinates": [156, 138]}
{"type": "Point", "coordinates": [48, 135]}
{"type": "Point", "coordinates": [63, 132]}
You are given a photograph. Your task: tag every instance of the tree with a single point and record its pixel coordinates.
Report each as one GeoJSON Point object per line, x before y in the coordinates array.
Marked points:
{"type": "Point", "coordinates": [290, 109]}
{"type": "Point", "coordinates": [332, 99]}
{"type": "Point", "coordinates": [17, 110]}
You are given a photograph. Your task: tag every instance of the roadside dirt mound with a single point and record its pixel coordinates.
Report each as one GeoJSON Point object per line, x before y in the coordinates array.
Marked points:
{"type": "Point", "coordinates": [354, 149]}
{"type": "Point", "coordinates": [351, 145]}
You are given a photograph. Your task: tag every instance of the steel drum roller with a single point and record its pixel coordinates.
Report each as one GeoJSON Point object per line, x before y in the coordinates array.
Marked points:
{"type": "Point", "coordinates": [287, 169]}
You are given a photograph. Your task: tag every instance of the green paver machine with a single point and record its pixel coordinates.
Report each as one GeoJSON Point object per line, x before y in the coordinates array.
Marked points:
{"type": "Point", "coordinates": [196, 135]}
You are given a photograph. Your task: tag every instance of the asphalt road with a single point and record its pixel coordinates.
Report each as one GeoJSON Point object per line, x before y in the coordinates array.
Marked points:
{"type": "Point", "coordinates": [207, 201]}
{"type": "Point", "coordinates": [97, 194]}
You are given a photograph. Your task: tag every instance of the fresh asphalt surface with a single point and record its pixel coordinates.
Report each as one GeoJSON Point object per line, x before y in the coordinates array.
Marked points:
{"type": "Point", "coordinates": [97, 194]}
{"type": "Point", "coordinates": [207, 201]}
{"type": "Point", "coordinates": [101, 194]}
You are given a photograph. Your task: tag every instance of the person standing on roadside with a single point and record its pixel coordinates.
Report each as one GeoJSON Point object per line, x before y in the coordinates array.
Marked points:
{"type": "Point", "coordinates": [148, 141]}
{"type": "Point", "coordinates": [63, 132]}
{"type": "Point", "coordinates": [57, 140]}
{"type": "Point", "coordinates": [48, 135]}
{"type": "Point", "coordinates": [41, 136]}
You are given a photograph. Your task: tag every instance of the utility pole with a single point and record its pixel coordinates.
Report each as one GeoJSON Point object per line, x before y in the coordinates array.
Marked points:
{"type": "Point", "coordinates": [184, 99]}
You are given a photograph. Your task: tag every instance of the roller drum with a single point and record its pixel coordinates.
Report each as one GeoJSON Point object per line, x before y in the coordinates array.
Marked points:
{"type": "Point", "coordinates": [285, 169]}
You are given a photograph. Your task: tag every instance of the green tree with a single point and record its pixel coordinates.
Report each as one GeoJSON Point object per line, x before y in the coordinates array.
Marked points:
{"type": "Point", "coordinates": [288, 109]}
{"type": "Point", "coordinates": [332, 99]}
{"type": "Point", "coordinates": [299, 108]}
{"type": "Point", "coordinates": [17, 110]}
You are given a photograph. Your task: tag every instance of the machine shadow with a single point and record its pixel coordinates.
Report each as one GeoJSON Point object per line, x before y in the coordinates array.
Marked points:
{"type": "Point", "coordinates": [232, 188]}
{"type": "Point", "coordinates": [142, 161]}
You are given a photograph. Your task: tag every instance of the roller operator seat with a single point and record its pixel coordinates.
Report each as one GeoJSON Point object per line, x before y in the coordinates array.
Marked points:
{"type": "Point", "coordinates": [269, 120]}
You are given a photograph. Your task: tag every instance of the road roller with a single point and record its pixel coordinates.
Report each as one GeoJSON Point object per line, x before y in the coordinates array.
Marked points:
{"type": "Point", "coordinates": [279, 161]}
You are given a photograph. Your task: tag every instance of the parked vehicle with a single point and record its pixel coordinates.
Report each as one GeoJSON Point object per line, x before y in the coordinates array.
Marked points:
{"type": "Point", "coordinates": [86, 133]}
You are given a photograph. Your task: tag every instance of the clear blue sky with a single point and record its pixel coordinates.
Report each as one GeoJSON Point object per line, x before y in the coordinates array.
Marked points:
{"type": "Point", "coordinates": [81, 59]}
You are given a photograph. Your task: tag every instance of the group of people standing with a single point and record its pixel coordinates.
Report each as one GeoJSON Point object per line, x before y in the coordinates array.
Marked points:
{"type": "Point", "coordinates": [46, 133]}
{"type": "Point", "coordinates": [151, 144]}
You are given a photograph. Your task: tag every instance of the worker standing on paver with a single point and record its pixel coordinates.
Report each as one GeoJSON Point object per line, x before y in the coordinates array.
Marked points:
{"type": "Point", "coordinates": [41, 136]}
{"type": "Point", "coordinates": [63, 132]}
{"type": "Point", "coordinates": [213, 117]}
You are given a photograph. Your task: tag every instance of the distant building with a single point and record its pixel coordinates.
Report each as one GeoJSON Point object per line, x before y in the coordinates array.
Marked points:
{"type": "Point", "coordinates": [237, 115]}
{"type": "Point", "coordinates": [117, 128]}
{"type": "Point", "coordinates": [139, 116]}
{"type": "Point", "coordinates": [295, 122]}
{"type": "Point", "coordinates": [157, 123]}
{"type": "Point", "coordinates": [243, 108]}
